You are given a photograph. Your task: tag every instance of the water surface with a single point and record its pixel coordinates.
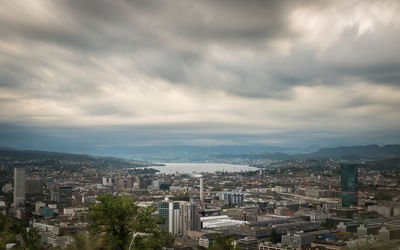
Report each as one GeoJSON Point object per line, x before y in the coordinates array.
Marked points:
{"type": "Point", "coordinates": [189, 168]}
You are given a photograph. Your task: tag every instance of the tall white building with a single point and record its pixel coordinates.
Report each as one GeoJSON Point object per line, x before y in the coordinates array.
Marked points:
{"type": "Point", "coordinates": [19, 187]}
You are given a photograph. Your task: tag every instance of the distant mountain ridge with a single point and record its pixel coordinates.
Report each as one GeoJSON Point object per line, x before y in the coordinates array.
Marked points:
{"type": "Point", "coordinates": [37, 155]}
{"type": "Point", "coordinates": [216, 153]}
{"type": "Point", "coordinates": [256, 156]}
{"type": "Point", "coordinates": [370, 152]}
{"type": "Point", "coordinates": [172, 152]}
{"type": "Point", "coordinates": [357, 152]}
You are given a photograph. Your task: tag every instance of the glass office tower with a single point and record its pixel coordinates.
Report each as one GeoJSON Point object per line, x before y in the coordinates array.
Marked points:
{"type": "Point", "coordinates": [349, 181]}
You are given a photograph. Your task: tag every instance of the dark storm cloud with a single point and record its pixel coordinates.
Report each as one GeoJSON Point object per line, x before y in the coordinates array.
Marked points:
{"type": "Point", "coordinates": [169, 39]}
{"type": "Point", "coordinates": [199, 21]}
{"type": "Point", "coordinates": [233, 25]}
{"type": "Point", "coordinates": [137, 29]}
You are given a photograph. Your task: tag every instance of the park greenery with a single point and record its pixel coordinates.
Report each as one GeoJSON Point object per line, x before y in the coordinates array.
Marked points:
{"type": "Point", "coordinates": [223, 242]}
{"type": "Point", "coordinates": [119, 223]}
{"type": "Point", "coordinates": [115, 223]}
{"type": "Point", "coordinates": [383, 196]}
{"type": "Point", "coordinates": [14, 231]}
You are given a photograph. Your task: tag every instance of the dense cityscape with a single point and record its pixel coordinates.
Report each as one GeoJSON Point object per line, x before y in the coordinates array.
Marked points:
{"type": "Point", "coordinates": [288, 204]}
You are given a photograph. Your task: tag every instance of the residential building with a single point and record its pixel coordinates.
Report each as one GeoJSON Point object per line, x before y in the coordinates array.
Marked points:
{"type": "Point", "coordinates": [34, 185]}
{"type": "Point", "coordinates": [296, 226]}
{"type": "Point", "coordinates": [108, 181]}
{"type": "Point", "coordinates": [301, 240]}
{"type": "Point", "coordinates": [189, 218]}
{"type": "Point", "coordinates": [233, 198]}
{"type": "Point", "coordinates": [271, 246]}
{"type": "Point", "coordinates": [247, 243]}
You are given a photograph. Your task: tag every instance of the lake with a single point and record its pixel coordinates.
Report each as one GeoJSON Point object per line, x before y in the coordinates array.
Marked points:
{"type": "Point", "coordinates": [189, 168]}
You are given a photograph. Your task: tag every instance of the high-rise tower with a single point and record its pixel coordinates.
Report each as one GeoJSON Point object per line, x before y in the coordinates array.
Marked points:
{"type": "Point", "coordinates": [189, 218]}
{"type": "Point", "coordinates": [65, 196]}
{"type": "Point", "coordinates": [202, 192]}
{"type": "Point", "coordinates": [170, 211]}
{"type": "Point", "coordinates": [349, 181]}
{"type": "Point", "coordinates": [19, 187]}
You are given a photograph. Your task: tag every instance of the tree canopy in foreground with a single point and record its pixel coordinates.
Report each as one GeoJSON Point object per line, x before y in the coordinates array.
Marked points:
{"type": "Point", "coordinates": [117, 219]}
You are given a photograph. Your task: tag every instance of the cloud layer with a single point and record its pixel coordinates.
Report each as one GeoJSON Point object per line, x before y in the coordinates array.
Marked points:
{"type": "Point", "coordinates": [207, 72]}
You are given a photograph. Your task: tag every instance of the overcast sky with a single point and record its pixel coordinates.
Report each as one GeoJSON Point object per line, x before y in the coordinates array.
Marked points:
{"type": "Point", "coordinates": [124, 73]}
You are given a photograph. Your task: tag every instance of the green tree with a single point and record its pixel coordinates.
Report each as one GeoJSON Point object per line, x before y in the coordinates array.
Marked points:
{"type": "Point", "coordinates": [113, 216]}
{"type": "Point", "coordinates": [223, 242]}
{"type": "Point", "coordinates": [32, 239]}
{"type": "Point", "coordinates": [382, 196]}
{"type": "Point", "coordinates": [6, 234]}
{"type": "Point", "coordinates": [118, 219]}
{"type": "Point", "coordinates": [156, 241]}
{"type": "Point", "coordinates": [274, 236]}
{"type": "Point", "coordinates": [147, 224]}
{"type": "Point", "coordinates": [10, 228]}
{"type": "Point", "coordinates": [8, 198]}
{"type": "Point", "coordinates": [232, 184]}
{"type": "Point", "coordinates": [84, 241]}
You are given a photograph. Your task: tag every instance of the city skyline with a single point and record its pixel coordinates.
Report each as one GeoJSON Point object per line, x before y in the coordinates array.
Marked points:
{"type": "Point", "coordinates": [95, 74]}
